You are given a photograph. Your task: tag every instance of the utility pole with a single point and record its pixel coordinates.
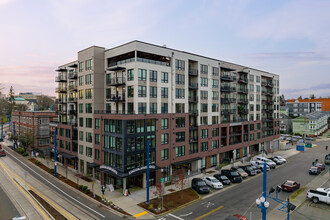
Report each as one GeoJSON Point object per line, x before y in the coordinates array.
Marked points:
{"type": "Point", "coordinates": [264, 193]}
{"type": "Point", "coordinates": [14, 134]}
{"type": "Point", "coordinates": [55, 153]}
{"type": "Point", "coordinates": [148, 149]}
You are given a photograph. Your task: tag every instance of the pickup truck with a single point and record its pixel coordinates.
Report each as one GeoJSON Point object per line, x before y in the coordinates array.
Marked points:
{"type": "Point", "coordinates": [319, 195]}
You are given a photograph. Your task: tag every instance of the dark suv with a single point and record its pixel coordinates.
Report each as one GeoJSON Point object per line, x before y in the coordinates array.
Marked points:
{"type": "Point", "coordinates": [233, 176]}
{"type": "Point", "coordinates": [249, 170]}
{"type": "Point", "coordinates": [200, 186]}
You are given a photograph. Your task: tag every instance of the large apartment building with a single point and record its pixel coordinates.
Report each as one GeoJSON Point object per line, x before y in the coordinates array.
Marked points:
{"type": "Point", "coordinates": [195, 112]}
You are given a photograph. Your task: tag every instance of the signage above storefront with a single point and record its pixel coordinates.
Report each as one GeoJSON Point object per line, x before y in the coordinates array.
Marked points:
{"type": "Point", "coordinates": [109, 168]}
{"type": "Point", "coordinates": [141, 168]}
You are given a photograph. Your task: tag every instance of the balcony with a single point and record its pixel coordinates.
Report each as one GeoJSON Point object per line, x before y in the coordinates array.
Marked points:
{"type": "Point", "coordinates": [116, 98]}
{"type": "Point", "coordinates": [267, 93]}
{"type": "Point", "coordinates": [193, 72]}
{"type": "Point", "coordinates": [243, 111]}
{"type": "Point", "coordinates": [228, 111]}
{"type": "Point", "coordinates": [62, 112]}
{"type": "Point", "coordinates": [228, 100]}
{"type": "Point", "coordinates": [244, 91]}
{"type": "Point", "coordinates": [228, 89]}
{"type": "Point", "coordinates": [72, 99]}
{"type": "Point", "coordinates": [72, 112]}
{"type": "Point", "coordinates": [268, 110]}
{"type": "Point", "coordinates": [193, 112]}
{"type": "Point", "coordinates": [117, 81]}
{"type": "Point", "coordinates": [232, 134]}
{"type": "Point", "coordinates": [267, 119]}
{"type": "Point", "coordinates": [60, 78]}
{"type": "Point", "coordinates": [193, 139]}
{"type": "Point", "coordinates": [72, 122]}
{"type": "Point", "coordinates": [61, 90]}
{"type": "Point", "coordinates": [193, 126]}
{"type": "Point", "coordinates": [243, 80]}
{"type": "Point", "coordinates": [73, 87]}
{"type": "Point", "coordinates": [243, 101]}
{"type": "Point", "coordinates": [267, 84]}
{"type": "Point", "coordinates": [267, 102]}
{"type": "Point", "coordinates": [228, 78]}
{"type": "Point", "coordinates": [72, 75]}
{"type": "Point", "coordinates": [62, 101]}
{"type": "Point", "coordinates": [193, 85]}
{"type": "Point", "coordinates": [193, 99]}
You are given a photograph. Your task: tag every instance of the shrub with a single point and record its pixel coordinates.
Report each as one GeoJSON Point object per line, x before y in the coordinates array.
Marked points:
{"type": "Point", "coordinates": [37, 162]}
{"type": "Point", "coordinates": [151, 206]}
{"type": "Point", "coordinates": [52, 170]}
{"type": "Point", "coordinates": [84, 188]}
{"type": "Point", "coordinates": [80, 187]}
{"type": "Point", "coordinates": [24, 154]}
{"type": "Point", "coordinates": [87, 191]}
{"type": "Point", "coordinates": [159, 206]}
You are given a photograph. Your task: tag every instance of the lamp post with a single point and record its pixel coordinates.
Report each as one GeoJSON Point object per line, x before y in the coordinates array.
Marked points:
{"type": "Point", "coordinates": [148, 149]}
{"type": "Point", "coordinates": [55, 153]}
{"type": "Point", "coordinates": [14, 134]}
{"type": "Point", "coordinates": [262, 201]}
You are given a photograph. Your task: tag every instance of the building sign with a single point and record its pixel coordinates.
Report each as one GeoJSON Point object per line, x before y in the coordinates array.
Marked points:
{"type": "Point", "coordinates": [141, 168]}
{"type": "Point", "coordinates": [235, 124]}
{"type": "Point", "coordinates": [109, 168]}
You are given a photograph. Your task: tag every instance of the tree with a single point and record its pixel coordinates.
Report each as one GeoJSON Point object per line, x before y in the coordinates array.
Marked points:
{"type": "Point", "coordinates": [26, 139]}
{"type": "Point", "coordinates": [21, 107]}
{"type": "Point", "coordinates": [11, 99]}
{"type": "Point", "coordinates": [312, 96]}
{"type": "Point", "coordinates": [44, 102]}
{"type": "Point", "coordinates": [180, 182]}
{"type": "Point", "coordinates": [158, 190]}
{"type": "Point", "coordinates": [300, 97]}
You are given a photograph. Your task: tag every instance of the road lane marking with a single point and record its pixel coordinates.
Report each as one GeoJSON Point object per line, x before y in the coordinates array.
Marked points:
{"type": "Point", "coordinates": [58, 188]}
{"type": "Point", "coordinates": [41, 195]}
{"type": "Point", "coordinates": [174, 216]}
{"type": "Point", "coordinates": [210, 212]}
{"type": "Point", "coordinates": [186, 214]}
{"type": "Point", "coordinates": [38, 207]}
{"type": "Point", "coordinates": [140, 214]}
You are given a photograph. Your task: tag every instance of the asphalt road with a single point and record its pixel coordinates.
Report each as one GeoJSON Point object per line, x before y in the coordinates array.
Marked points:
{"type": "Point", "coordinates": [7, 208]}
{"type": "Point", "coordinates": [240, 199]}
{"type": "Point", "coordinates": [75, 198]}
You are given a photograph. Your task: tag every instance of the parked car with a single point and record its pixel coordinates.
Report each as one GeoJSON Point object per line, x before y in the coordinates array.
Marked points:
{"type": "Point", "coordinates": [213, 182]}
{"type": "Point", "coordinates": [233, 176]}
{"type": "Point", "coordinates": [249, 170]}
{"type": "Point", "coordinates": [314, 171]}
{"type": "Point", "coordinates": [258, 170]}
{"type": "Point", "coordinates": [259, 164]}
{"type": "Point", "coordinates": [240, 171]}
{"type": "Point", "coordinates": [236, 217]}
{"type": "Point", "coordinates": [276, 160]}
{"type": "Point", "coordinates": [290, 185]}
{"type": "Point", "coordinates": [319, 195]}
{"type": "Point", "coordinates": [280, 158]}
{"type": "Point", "coordinates": [222, 178]}
{"type": "Point", "coordinates": [200, 186]}
{"type": "Point", "coordinates": [269, 162]}
{"type": "Point", "coordinates": [288, 139]}
{"type": "Point", "coordinates": [310, 139]}
{"type": "Point", "coordinates": [3, 153]}
{"type": "Point", "coordinates": [327, 159]}
{"type": "Point", "coordinates": [319, 165]}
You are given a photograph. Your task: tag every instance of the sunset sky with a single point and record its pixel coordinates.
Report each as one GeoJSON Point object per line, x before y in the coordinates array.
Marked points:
{"type": "Point", "coordinates": [289, 38]}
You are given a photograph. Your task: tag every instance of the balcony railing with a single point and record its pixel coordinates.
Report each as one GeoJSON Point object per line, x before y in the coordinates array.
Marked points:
{"type": "Point", "coordinates": [267, 84]}
{"type": "Point", "coordinates": [235, 134]}
{"type": "Point", "coordinates": [193, 112]}
{"type": "Point", "coordinates": [62, 101]}
{"type": "Point", "coordinates": [193, 139]}
{"type": "Point", "coordinates": [243, 111]}
{"type": "Point", "coordinates": [72, 112]}
{"type": "Point", "coordinates": [268, 110]}
{"type": "Point", "coordinates": [193, 72]}
{"type": "Point", "coordinates": [241, 90]}
{"type": "Point", "coordinates": [243, 101]}
{"type": "Point", "coordinates": [117, 81]}
{"type": "Point", "coordinates": [267, 93]}
{"type": "Point", "coordinates": [243, 80]}
{"type": "Point", "coordinates": [267, 102]}
{"type": "Point", "coordinates": [228, 89]}
{"type": "Point", "coordinates": [229, 78]}
{"type": "Point", "coordinates": [193, 85]}
{"type": "Point", "coordinates": [61, 90]}
{"type": "Point", "coordinates": [193, 99]}
{"type": "Point", "coordinates": [127, 112]}
{"type": "Point", "coordinates": [72, 99]}
{"type": "Point", "coordinates": [73, 75]}
{"type": "Point", "coordinates": [227, 100]}
{"type": "Point", "coordinates": [61, 78]}
{"type": "Point", "coordinates": [72, 87]}
{"type": "Point", "coordinates": [116, 98]}
{"type": "Point", "coordinates": [228, 111]}
{"type": "Point", "coordinates": [193, 126]}
{"type": "Point", "coordinates": [267, 119]}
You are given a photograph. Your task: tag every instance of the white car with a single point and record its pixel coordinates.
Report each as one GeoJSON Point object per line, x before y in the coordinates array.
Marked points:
{"type": "Point", "coordinates": [213, 182]}
{"type": "Point", "coordinates": [259, 164]}
{"type": "Point", "coordinates": [280, 159]}
{"type": "Point", "coordinates": [269, 162]}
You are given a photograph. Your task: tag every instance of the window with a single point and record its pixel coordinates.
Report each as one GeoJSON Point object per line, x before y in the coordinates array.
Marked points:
{"type": "Point", "coordinates": [251, 127]}
{"type": "Point", "coordinates": [81, 108]}
{"type": "Point", "coordinates": [215, 95]}
{"type": "Point", "coordinates": [215, 83]}
{"type": "Point", "coordinates": [258, 135]}
{"type": "Point", "coordinates": [204, 133]}
{"type": "Point", "coordinates": [153, 92]}
{"type": "Point", "coordinates": [97, 123]}
{"type": "Point", "coordinates": [204, 146]}
{"type": "Point", "coordinates": [179, 93]}
{"type": "Point", "coordinates": [130, 75]}
{"type": "Point", "coordinates": [204, 69]}
{"type": "Point", "coordinates": [89, 123]}
{"type": "Point", "coordinates": [164, 123]}
{"type": "Point", "coordinates": [215, 107]}
{"type": "Point", "coordinates": [179, 151]}
{"type": "Point", "coordinates": [89, 152]}
{"type": "Point", "coordinates": [204, 107]}
{"type": "Point", "coordinates": [130, 91]}
{"type": "Point", "coordinates": [180, 136]}
{"type": "Point", "coordinates": [164, 108]}
{"type": "Point", "coordinates": [258, 78]}
{"type": "Point", "coordinates": [140, 126]}
{"type": "Point", "coordinates": [251, 88]}
{"type": "Point", "coordinates": [153, 108]}
{"type": "Point", "coordinates": [179, 79]}
{"type": "Point", "coordinates": [153, 76]}
{"type": "Point", "coordinates": [142, 91]}
{"type": "Point", "coordinates": [97, 154]}
{"type": "Point", "coordinates": [215, 120]}
{"type": "Point", "coordinates": [215, 71]}
{"type": "Point", "coordinates": [251, 78]}
{"type": "Point", "coordinates": [215, 132]}
{"type": "Point", "coordinates": [179, 64]}
{"type": "Point", "coordinates": [89, 108]}
{"type": "Point", "coordinates": [81, 149]}
{"type": "Point", "coordinates": [180, 122]}
{"type": "Point", "coordinates": [88, 93]}
{"type": "Point", "coordinates": [204, 95]}
{"type": "Point", "coordinates": [193, 148]}
{"type": "Point", "coordinates": [213, 160]}
{"type": "Point", "coordinates": [164, 154]}
{"type": "Point", "coordinates": [81, 122]}
{"type": "Point", "coordinates": [164, 92]}
{"type": "Point", "coordinates": [258, 97]}
{"type": "Point", "coordinates": [81, 66]}
{"type": "Point", "coordinates": [89, 64]}
{"type": "Point", "coordinates": [215, 144]}
{"type": "Point", "coordinates": [251, 107]}
{"type": "Point", "coordinates": [204, 120]}
{"type": "Point", "coordinates": [258, 88]}
{"type": "Point", "coordinates": [81, 135]}
{"type": "Point", "coordinates": [89, 137]}
{"type": "Point", "coordinates": [251, 137]}
{"type": "Point", "coordinates": [88, 79]}
{"type": "Point", "coordinates": [179, 108]}
{"type": "Point", "coordinates": [164, 77]}
{"type": "Point", "coordinates": [142, 74]}
{"type": "Point", "coordinates": [164, 138]}
{"type": "Point", "coordinates": [151, 125]}
{"type": "Point", "coordinates": [81, 80]}
{"type": "Point", "coordinates": [204, 82]}
{"type": "Point", "coordinates": [81, 94]}
{"type": "Point", "coordinates": [97, 139]}
{"type": "Point", "coordinates": [251, 97]}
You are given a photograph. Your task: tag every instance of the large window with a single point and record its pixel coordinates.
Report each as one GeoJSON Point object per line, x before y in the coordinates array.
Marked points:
{"type": "Point", "coordinates": [213, 160]}
{"type": "Point", "coordinates": [89, 152]}
{"type": "Point", "coordinates": [81, 108]}
{"type": "Point", "coordinates": [204, 82]}
{"type": "Point", "coordinates": [180, 136]}
{"type": "Point", "coordinates": [81, 66]}
{"type": "Point", "coordinates": [164, 92]}
{"type": "Point", "coordinates": [164, 108]}
{"type": "Point", "coordinates": [89, 108]}
{"type": "Point", "coordinates": [179, 93]}
{"type": "Point", "coordinates": [179, 64]}
{"type": "Point", "coordinates": [204, 133]}
{"type": "Point", "coordinates": [164, 138]}
{"type": "Point", "coordinates": [215, 132]}
{"type": "Point", "coordinates": [97, 123]}
{"type": "Point", "coordinates": [204, 69]}
{"type": "Point", "coordinates": [81, 80]}
{"type": "Point", "coordinates": [179, 108]}
{"type": "Point", "coordinates": [88, 93]}
{"type": "Point", "coordinates": [151, 125]}
{"type": "Point", "coordinates": [140, 126]}
{"type": "Point", "coordinates": [179, 151]}
{"type": "Point", "coordinates": [164, 123]}
{"type": "Point", "coordinates": [89, 123]}
{"type": "Point", "coordinates": [142, 74]}
{"type": "Point", "coordinates": [89, 64]}
{"type": "Point", "coordinates": [215, 144]}
{"type": "Point", "coordinates": [164, 77]}
{"type": "Point", "coordinates": [215, 83]}
{"type": "Point", "coordinates": [153, 76]}
{"type": "Point", "coordinates": [180, 122]}
{"type": "Point", "coordinates": [97, 139]}
{"type": "Point", "coordinates": [89, 137]}
{"type": "Point", "coordinates": [204, 146]}
{"type": "Point", "coordinates": [179, 79]}
{"type": "Point", "coordinates": [204, 107]}
{"type": "Point", "coordinates": [204, 95]}
{"type": "Point", "coordinates": [193, 148]}
{"type": "Point", "coordinates": [164, 154]}
{"type": "Point", "coordinates": [88, 79]}
{"type": "Point", "coordinates": [130, 91]}
{"type": "Point", "coordinates": [153, 107]}
{"type": "Point", "coordinates": [142, 91]}
{"type": "Point", "coordinates": [153, 92]}
{"type": "Point", "coordinates": [130, 75]}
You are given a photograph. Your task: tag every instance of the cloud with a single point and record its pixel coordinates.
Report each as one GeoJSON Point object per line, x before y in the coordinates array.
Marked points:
{"type": "Point", "coordinates": [4, 2]}
{"type": "Point", "coordinates": [318, 90]}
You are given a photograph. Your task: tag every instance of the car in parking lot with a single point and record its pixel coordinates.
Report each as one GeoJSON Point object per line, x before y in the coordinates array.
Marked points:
{"type": "Point", "coordinates": [258, 170]}
{"type": "Point", "coordinates": [280, 158]}
{"type": "Point", "coordinates": [200, 186]}
{"type": "Point", "coordinates": [309, 139]}
{"type": "Point", "coordinates": [269, 162]}
{"type": "Point", "coordinates": [290, 185]}
{"type": "Point", "coordinates": [319, 165]}
{"type": "Point", "coordinates": [314, 171]}
{"type": "Point", "coordinates": [233, 176]}
{"type": "Point", "coordinates": [213, 182]}
{"type": "Point", "coordinates": [249, 170]}
{"type": "Point", "coordinates": [222, 178]}
{"type": "Point", "coordinates": [240, 171]}
{"type": "Point", "coordinates": [3, 153]}
{"type": "Point", "coordinates": [259, 165]}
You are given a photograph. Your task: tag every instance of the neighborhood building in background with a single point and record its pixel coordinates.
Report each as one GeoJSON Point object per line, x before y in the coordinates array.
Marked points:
{"type": "Point", "coordinates": [325, 102]}
{"type": "Point", "coordinates": [296, 109]}
{"type": "Point", "coordinates": [35, 123]}
{"type": "Point", "coordinates": [196, 112]}
{"type": "Point", "coordinates": [314, 123]}
{"type": "Point", "coordinates": [285, 124]}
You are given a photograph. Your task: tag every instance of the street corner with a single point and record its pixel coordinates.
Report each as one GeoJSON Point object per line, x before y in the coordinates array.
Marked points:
{"type": "Point", "coordinates": [138, 215]}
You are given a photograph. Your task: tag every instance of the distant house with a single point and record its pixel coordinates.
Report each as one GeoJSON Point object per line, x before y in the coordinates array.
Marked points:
{"type": "Point", "coordinates": [314, 123]}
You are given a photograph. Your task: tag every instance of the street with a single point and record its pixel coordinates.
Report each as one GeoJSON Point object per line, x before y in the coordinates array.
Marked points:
{"type": "Point", "coordinates": [7, 208]}
{"type": "Point", "coordinates": [240, 199]}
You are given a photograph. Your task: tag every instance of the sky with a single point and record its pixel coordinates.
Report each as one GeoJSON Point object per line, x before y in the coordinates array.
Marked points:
{"type": "Point", "coordinates": [290, 38]}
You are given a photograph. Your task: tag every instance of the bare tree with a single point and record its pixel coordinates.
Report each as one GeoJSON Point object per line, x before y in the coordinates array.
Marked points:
{"type": "Point", "coordinates": [26, 139]}
{"type": "Point", "coordinates": [44, 102]}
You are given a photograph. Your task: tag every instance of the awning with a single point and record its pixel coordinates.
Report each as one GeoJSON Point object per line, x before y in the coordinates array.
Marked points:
{"type": "Point", "coordinates": [73, 66]}
{"type": "Point", "coordinates": [186, 161]}
{"type": "Point", "coordinates": [116, 68]}
{"type": "Point", "coordinates": [131, 173]}
{"type": "Point", "coordinates": [66, 155]}
{"type": "Point", "coordinates": [93, 165]}
{"type": "Point", "coordinates": [61, 70]}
